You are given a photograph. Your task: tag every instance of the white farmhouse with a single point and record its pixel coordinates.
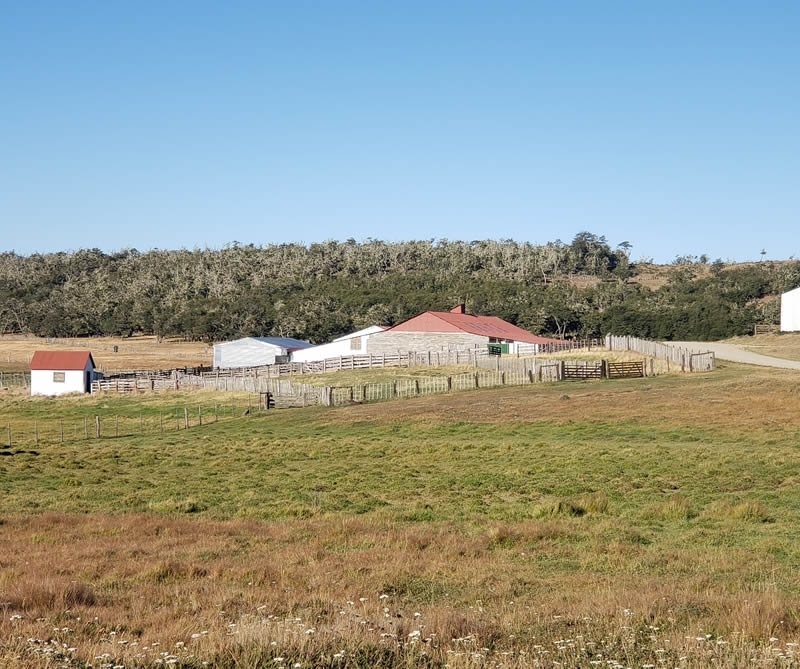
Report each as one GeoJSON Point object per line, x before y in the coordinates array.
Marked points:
{"type": "Point", "coordinates": [255, 351]}
{"type": "Point", "coordinates": [61, 372]}
{"type": "Point", "coordinates": [790, 311]}
{"type": "Point", "coordinates": [355, 343]}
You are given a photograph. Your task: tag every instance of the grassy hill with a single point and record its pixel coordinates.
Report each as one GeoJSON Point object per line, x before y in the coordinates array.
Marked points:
{"type": "Point", "coordinates": [634, 522]}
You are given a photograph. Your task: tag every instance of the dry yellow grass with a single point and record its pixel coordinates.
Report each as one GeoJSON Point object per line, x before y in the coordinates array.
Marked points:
{"type": "Point", "coordinates": [133, 589]}
{"type": "Point", "coordinates": [785, 345]}
{"type": "Point", "coordinates": [143, 352]}
{"type": "Point", "coordinates": [140, 590]}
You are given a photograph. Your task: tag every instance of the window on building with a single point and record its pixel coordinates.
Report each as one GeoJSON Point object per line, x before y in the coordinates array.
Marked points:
{"type": "Point", "coordinates": [59, 377]}
{"type": "Point", "coordinates": [355, 344]}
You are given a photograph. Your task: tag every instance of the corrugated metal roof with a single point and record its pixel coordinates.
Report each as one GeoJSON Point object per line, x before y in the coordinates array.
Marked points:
{"type": "Point", "coordinates": [284, 342]}
{"type": "Point", "coordinates": [59, 360]}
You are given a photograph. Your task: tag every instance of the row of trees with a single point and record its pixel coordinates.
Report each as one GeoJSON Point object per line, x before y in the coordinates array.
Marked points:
{"type": "Point", "coordinates": [324, 290]}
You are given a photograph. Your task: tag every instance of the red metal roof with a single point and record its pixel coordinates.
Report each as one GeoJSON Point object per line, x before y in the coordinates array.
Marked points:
{"type": "Point", "coordinates": [452, 321]}
{"type": "Point", "coordinates": [61, 360]}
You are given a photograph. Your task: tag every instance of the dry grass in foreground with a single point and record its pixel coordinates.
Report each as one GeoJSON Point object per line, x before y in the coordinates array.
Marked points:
{"type": "Point", "coordinates": [142, 591]}
{"type": "Point", "coordinates": [639, 523]}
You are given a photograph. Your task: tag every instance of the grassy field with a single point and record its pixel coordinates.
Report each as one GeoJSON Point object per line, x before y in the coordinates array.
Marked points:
{"type": "Point", "coordinates": [619, 523]}
{"type": "Point", "coordinates": [142, 352]}
{"type": "Point", "coordinates": [785, 345]}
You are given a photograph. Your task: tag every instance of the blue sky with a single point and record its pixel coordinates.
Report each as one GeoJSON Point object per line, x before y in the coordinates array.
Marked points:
{"type": "Point", "coordinates": [670, 125]}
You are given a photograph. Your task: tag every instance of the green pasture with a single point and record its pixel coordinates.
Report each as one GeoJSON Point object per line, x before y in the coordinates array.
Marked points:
{"type": "Point", "coordinates": [662, 488]}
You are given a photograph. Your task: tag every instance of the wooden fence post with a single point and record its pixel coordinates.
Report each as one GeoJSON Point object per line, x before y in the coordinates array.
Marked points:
{"type": "Point", "coordinates": [116, 426]}
{"type": "Point", "coordinates": [9, 435]}
{"type": "Point", "coordinates": [97, 426]}
{"type": "Point", "coordinates": [186, 418]}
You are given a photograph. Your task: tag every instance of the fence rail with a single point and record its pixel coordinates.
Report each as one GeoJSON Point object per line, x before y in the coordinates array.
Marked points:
{"type": "Point", "coordinates": [15, 379]}
{"type": "Point", "coordinates": [617, 370]}
{"type": "Point", "coordinates": [281, 381]}
{"type": "Point", "coordinates": [17, 436]}
{"type": "Point", "coordinates": [765, 328]}
{"type": "Point", "coordinates": [677, 356]}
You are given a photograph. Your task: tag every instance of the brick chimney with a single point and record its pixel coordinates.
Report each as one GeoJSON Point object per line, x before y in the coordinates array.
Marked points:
{"type": "Point", "coordinates": [460, 309]}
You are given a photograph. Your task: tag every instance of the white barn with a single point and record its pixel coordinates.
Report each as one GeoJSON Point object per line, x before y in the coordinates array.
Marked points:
{"type": "Point", "coordinates": [255, 351]}
{"type": "Point", "coordinates": [790, 311]}
{"type": "Point", "coordinates": [355, 343]}
{"type": "Point", "coordinates": [61, 372]}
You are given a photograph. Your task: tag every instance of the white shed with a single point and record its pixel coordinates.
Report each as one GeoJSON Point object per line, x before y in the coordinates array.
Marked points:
{"type": "Point", "coordinates": [355, 343]}
{"type": "Point", "coordinates": [790, 311]}
{"type": "Point", "coordinates": [255, 351]}
{"type": "Point", "coordinates": [61, 372]}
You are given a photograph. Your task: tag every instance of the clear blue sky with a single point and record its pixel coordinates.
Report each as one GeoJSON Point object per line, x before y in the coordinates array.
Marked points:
{"type": "Point", "coordinates": [674, 126]}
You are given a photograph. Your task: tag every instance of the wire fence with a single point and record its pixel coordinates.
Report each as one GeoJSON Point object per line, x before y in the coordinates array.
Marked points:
{"type": "Point", "coordinates": [16, 435]}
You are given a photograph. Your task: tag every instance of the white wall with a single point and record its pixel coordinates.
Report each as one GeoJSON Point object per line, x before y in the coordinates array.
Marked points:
{"type": "Point", "coordinates": [790, 311]}
{"type": "Point", "coordinates": [42, 382]}
{"type": "Point", "coordinates": [246, 352]}
{"type": "Point", "coordinates": [356, 343]}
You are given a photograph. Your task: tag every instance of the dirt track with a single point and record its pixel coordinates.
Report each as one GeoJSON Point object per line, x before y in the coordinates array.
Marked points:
{"type": "Point", "coordinates": [737, 354]}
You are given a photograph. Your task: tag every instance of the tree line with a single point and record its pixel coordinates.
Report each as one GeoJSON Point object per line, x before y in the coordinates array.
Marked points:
{"type": "Point", "coordinates": [316, 292]}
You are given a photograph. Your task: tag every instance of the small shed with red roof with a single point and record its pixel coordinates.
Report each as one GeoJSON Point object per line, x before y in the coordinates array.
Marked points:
{"type": "Point", "coordinates": [456, 330]}
{"type": "Point", "coordinates": [61, 372]}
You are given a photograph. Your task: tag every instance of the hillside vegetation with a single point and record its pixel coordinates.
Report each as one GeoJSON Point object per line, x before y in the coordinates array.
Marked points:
{"type": "Point", "coordinates": [584, 288]}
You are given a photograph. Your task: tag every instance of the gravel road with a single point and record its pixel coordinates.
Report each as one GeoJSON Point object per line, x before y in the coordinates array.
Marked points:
{"type": "Point", "coordinates": [737, 354]}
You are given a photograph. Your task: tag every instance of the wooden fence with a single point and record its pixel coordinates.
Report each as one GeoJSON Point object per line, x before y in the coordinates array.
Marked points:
{"type": "Point", "coordinates": [490, 371]}
{"type": "Point", "coordinates": [683, 358]}
{"type": "Point", "coordinates": [290, 392]}
{"type": "Point", "coordinates": [15, 379]}
{"type": "Point", "coordinates": [595, 369]}
{"type": "Point", "coordinates": [602, 369]}
{"type": "Point", "coordinates": [765, 328]}
{"type": "Point", "coordinates": [627, 370]}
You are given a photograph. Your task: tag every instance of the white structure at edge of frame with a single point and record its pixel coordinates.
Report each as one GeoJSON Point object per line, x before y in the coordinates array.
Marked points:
{"type": "Point", "coordinates": [355, 343]}
{"type": "Point", "coordinates": [790, 311]}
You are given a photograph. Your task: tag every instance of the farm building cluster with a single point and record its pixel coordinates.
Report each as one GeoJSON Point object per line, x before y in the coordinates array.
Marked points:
{"type": "Point", "coordinates": [55, 373]}
{"type": "Point", "coordinates": [429, 331]}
